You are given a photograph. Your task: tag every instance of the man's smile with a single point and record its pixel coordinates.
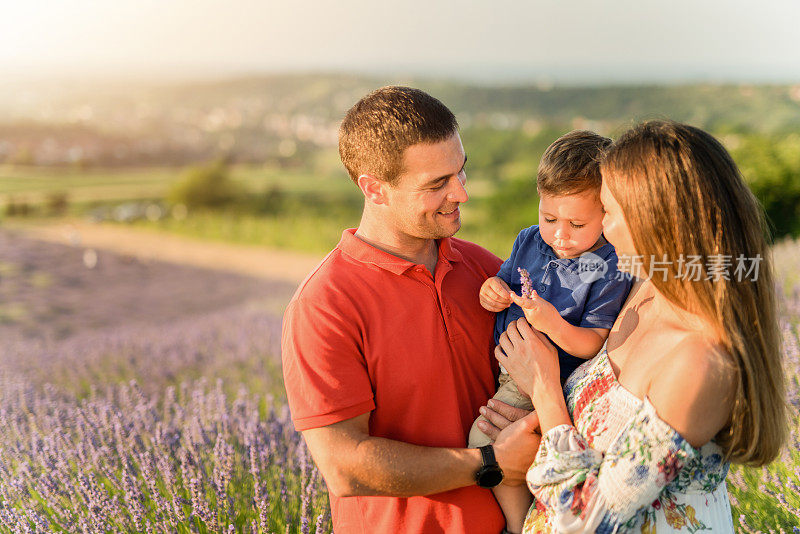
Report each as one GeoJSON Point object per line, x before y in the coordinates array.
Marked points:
{"type": "Point", "coordinates": [455, 212]}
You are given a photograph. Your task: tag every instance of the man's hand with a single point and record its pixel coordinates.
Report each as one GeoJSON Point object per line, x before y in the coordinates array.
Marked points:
{"type": "Point", "coordinates": [539, 313]}
{"type": "Point", "coordinates": [495, 294]}
{"type": "Point", "coordinates": [516, 436]}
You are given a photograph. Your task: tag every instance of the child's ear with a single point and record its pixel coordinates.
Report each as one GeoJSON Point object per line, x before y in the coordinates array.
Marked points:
{"type": "Point", "coordinates": [374, 189]}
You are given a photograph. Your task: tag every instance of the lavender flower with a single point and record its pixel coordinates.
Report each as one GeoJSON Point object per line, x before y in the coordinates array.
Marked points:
{"type": "Point", "coordinates": [128, 425]}
{"type": "Point", "coordinates": [527, 285]}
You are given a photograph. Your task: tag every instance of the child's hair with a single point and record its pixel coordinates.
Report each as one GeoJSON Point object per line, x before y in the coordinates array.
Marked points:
{"type": "Point", "coordinates": [571, 165]}
{"type": "Point", "coordinates": [683, 197]}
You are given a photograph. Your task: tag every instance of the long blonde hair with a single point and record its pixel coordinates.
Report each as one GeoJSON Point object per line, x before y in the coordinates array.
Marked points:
{"type": "Point", "coordinates": [682, 195]}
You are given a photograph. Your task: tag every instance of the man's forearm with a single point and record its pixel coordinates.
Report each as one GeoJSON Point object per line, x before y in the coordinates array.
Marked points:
{"type": "Point", "coordinates": [355, 463]}
{"type": "Point", "coordinates": [386, 467]}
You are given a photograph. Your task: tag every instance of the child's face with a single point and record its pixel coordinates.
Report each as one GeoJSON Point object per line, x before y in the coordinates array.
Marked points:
{"type": "Point", "coordinates": [570, 224]}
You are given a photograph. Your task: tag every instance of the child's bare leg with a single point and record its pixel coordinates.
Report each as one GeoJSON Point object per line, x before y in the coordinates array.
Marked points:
{"type": "Point", "coordinates": [515, 502]}
{"type": "Point", "coordinates": [508, 393]}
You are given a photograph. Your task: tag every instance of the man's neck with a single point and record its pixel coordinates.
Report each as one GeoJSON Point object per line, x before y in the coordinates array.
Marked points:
{"type": "Point", "coordinates": [420, 251]}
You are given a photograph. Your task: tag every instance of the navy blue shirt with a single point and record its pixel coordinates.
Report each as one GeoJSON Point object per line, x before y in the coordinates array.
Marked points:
{"type": "Point", "coordinates": [585, 290]}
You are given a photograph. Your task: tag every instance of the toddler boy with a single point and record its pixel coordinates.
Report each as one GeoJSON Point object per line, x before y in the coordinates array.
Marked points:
{"type": "Point", "coordinates": [575, 293]}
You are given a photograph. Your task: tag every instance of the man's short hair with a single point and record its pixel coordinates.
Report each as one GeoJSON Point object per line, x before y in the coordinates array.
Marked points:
{"type": "Point", "coordinates": [571, 165]}
{"type": "Point", "coordinates": [382, 125]}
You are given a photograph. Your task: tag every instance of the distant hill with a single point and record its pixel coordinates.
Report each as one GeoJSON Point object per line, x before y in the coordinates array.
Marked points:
{"type": "Point", "coordinates": [265, 118]}
{"type": "Point", "coordinates": [754, 107]}
{"type": "Point", "coordinates": [766, 109]}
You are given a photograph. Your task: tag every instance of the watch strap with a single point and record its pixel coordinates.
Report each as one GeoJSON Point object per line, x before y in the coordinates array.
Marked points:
{"type": "Point", "coordinates": [487, 455]}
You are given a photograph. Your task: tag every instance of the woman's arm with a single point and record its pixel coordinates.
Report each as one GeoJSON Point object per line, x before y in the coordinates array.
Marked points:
{"type": "Point", "coordinates": [692, 389]}
{"type": "Point", "coordinates": [532, 362]}
{"type": "Point", "coordinates": [688, 401]}
{"type": "Point", "coordinates": [586, 490]}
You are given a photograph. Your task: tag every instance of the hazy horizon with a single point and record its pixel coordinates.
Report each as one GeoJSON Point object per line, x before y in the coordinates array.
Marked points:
{"type": "Point", "coordinates": [487, 76]}
{"type": "Point", "coordinates": [585, 42]}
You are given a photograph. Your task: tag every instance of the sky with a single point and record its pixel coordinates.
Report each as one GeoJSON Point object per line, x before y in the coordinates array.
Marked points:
{"type": "Point", "coordinates": [481, 40]}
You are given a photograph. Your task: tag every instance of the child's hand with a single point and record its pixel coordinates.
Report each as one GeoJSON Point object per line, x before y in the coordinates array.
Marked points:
{"type": "Point", "coordinates": [494, 294]}
{"type": "Point", "coordinates": [541, 315]}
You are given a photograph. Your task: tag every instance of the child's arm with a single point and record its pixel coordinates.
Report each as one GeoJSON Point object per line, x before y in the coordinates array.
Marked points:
{"type": "Point", "coordinates": [575, 340]}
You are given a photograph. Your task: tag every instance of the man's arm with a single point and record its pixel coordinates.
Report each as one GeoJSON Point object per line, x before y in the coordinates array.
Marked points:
{"type": "Point", "coordinates": [355, 463]}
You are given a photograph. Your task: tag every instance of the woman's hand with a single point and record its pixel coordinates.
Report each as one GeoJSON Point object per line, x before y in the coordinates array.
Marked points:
{"type": "Point", "coordinates": [528, 356]}
{"type": "Point", "coordinates": [532, 361]}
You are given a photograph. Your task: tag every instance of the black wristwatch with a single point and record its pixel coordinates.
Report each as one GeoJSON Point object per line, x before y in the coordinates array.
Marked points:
{"type": "Point", "coordinates": [490, 474]}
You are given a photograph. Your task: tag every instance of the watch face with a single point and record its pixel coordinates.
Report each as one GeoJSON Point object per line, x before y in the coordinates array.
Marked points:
{"type": "Point", "coordinates": [490, 476]}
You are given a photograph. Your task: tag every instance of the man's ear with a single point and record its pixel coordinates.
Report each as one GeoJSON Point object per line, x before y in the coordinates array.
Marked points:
{"type": "Point", "coordinates": [374, 189]}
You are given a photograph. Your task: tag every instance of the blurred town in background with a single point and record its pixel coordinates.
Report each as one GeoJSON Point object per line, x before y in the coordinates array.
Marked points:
{"type": "Point", "coordinates": [254, 160]}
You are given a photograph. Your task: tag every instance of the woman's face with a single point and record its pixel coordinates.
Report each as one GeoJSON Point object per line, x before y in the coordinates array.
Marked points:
{"type": "Point", "coordinates": [615, 228]}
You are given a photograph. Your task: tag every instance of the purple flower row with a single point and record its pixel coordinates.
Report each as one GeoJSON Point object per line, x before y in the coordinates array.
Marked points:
{"type": "Point", "coordinates": [133, 462]}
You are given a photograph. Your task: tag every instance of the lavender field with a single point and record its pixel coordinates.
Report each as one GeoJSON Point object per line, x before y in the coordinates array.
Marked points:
{"type": "Point", "coordinates": [146, 397]}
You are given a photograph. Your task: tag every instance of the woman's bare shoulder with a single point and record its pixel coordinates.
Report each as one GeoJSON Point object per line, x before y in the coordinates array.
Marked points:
{"type": "Point", "coordinates": [692, 388]}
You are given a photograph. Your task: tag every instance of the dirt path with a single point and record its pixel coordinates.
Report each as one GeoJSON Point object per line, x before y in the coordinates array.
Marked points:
{"type": "Point", "coordinates": [147, 245]}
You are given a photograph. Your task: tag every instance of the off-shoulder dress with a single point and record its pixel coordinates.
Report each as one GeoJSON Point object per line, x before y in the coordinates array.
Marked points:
{"type": "Point", "coordinates": [621, 468]}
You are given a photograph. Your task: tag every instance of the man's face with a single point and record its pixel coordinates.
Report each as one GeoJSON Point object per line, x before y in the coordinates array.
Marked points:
{"type": "Point", "coordinates": [570, 224]}
{"type": "Point", "coordinates": [423, 203]}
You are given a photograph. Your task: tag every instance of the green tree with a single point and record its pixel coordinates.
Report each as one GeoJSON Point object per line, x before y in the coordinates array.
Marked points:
{"type": "Point", "coordinates": [771, 167]}
{"type": "Point", "coordinates": [205, 186]}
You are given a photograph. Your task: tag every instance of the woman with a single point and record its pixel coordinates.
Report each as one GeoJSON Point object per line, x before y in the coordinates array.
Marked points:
{"type": "Point", "coordinates": [690, 378]}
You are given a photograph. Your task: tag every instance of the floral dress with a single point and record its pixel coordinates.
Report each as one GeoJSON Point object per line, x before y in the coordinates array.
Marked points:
{"type": "Point", "coordinates": [621, 468]}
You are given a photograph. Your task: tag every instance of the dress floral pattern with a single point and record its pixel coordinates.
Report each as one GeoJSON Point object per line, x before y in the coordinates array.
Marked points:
{"type": "Point", "coordinates": [621, 468]}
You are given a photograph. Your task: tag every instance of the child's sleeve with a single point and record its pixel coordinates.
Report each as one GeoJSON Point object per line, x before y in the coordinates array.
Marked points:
{"type": "Point", "coordinates": [606, 297]}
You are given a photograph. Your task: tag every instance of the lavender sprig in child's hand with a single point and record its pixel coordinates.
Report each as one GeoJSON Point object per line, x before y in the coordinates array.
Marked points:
{"type": "Point", "coordinates": [541, 315]}
{"type": "Point", "coordinates": [527, 285]}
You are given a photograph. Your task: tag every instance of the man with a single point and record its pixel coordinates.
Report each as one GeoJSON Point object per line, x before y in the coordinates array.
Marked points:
{"type": "Point", "coordinates": [387, 353]}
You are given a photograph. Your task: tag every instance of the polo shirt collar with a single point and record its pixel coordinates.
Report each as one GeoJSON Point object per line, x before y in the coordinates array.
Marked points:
{"type": "Point", "coordinates": [448, 251]}
{"type": "Point", "coordinates": [366, 253]}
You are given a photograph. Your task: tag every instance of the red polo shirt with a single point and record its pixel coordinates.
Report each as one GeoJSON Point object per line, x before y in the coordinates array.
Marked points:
{"type": "Point", "coordinates": [371, 332]}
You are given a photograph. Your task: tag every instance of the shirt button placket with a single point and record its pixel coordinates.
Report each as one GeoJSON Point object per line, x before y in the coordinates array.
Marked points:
{"type": "Point", "coordinates": [544, 277]}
